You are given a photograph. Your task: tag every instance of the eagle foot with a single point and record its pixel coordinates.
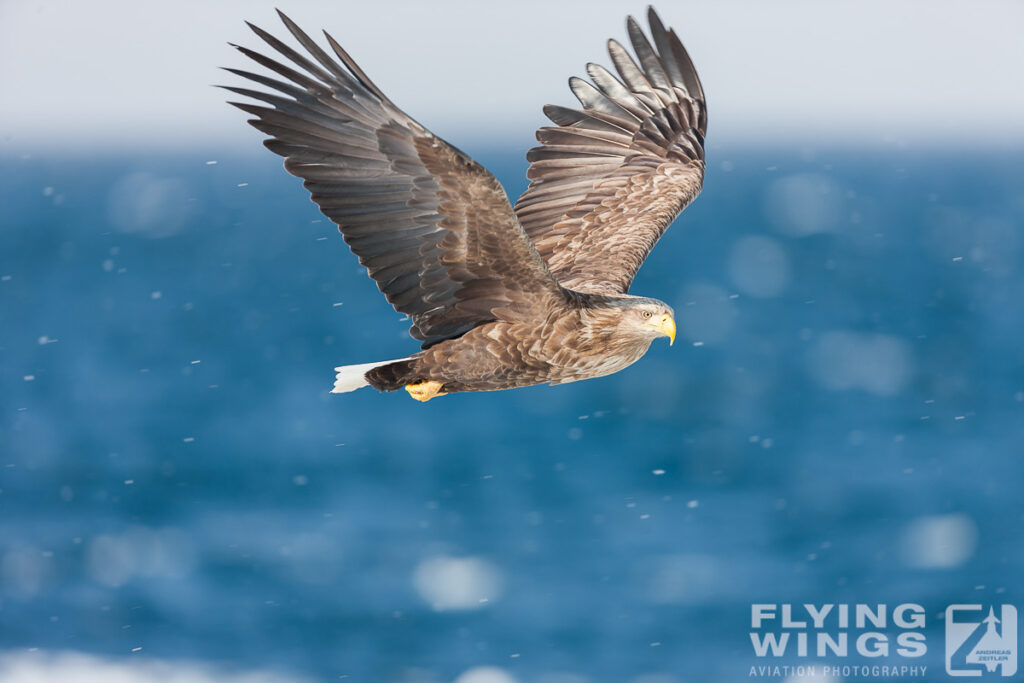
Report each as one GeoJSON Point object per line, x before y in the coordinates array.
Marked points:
{"type": "Point", "coordinates": [425, 390]}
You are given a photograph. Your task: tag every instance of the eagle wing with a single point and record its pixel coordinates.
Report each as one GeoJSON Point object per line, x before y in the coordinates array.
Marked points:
{"type": "Point", "coordinates": [433, 228]}
{"type": "Point", "coordinates": [607, 181]}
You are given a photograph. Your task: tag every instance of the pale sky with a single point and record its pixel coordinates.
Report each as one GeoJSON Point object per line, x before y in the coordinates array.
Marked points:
{"type": "Point", "coordinates": [131, 73]}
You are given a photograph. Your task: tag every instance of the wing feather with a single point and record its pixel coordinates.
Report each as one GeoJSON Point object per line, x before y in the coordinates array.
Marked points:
{"type": "Point", "coordinates": [617, 92]}
{"type": "Point", "coordinates": [607, 181]}
{"type": "Point", "coordinates": [433, 228]}
{"type": "Point", "coordinates": [651, 62]}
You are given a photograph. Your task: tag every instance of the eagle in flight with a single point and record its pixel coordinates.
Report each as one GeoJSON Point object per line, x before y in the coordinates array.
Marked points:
{"type": "Point", "coordinates": [500, 296]}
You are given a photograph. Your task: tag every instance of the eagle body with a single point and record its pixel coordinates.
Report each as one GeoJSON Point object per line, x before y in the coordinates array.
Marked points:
{"type": "Point", "coordinates": [589, 340]}
{"type": "Point", "coordinates": [500, 295]}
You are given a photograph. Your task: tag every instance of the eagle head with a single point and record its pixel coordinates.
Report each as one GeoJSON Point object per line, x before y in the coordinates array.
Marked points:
{"type": "Point", "coordinates": [647, 319]}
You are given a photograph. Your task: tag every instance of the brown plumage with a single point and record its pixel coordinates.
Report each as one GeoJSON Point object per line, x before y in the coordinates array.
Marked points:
{"type": "Point", "coordinates": [500, 297]}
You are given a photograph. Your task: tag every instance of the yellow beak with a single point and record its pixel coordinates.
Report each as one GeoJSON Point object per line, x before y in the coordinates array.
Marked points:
{"type": "Point", "coordinates": [666, 325]}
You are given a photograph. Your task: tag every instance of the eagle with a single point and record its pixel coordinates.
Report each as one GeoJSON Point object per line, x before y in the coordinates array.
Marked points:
{"type": "Point", "coordinates": [500, 295]}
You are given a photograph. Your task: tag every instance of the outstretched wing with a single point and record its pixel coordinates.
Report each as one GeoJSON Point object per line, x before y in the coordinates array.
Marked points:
{"type": "Point", "coordinates": [610, 178]}
{"type": "Point", "coordinates": [433, 227]}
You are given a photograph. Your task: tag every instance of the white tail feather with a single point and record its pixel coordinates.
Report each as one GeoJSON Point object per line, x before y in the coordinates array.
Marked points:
{"type": "Point", "coordinates": [352, 377]}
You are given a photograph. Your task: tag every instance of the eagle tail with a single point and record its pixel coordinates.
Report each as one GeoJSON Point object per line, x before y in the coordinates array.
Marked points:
{"type": "Point", "coordinates": [352, 377]}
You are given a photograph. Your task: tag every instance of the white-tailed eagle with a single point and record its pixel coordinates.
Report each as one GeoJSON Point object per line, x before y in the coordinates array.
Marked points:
{"type": "Point", "coordinates": [500, 296]}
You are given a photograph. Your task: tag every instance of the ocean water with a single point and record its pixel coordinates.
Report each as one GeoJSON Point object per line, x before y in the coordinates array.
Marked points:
{"type": "Point", "coordinates": [840, 421]}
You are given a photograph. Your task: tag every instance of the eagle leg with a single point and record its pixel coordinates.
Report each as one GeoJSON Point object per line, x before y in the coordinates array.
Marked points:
{"type": "Point", "coordinates": [425, 390]}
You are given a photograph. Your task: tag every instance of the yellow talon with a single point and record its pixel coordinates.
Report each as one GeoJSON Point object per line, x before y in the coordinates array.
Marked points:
{"type": "Point", "coordinates": [426, 390]}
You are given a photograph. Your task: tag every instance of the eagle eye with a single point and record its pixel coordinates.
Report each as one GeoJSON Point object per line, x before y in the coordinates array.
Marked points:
{"type": "Point", "coordinates": [646, 314]}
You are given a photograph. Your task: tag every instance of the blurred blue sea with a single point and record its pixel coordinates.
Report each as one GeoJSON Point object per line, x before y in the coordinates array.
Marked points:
{"type": "Point", "coordinates": [841, 422]}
